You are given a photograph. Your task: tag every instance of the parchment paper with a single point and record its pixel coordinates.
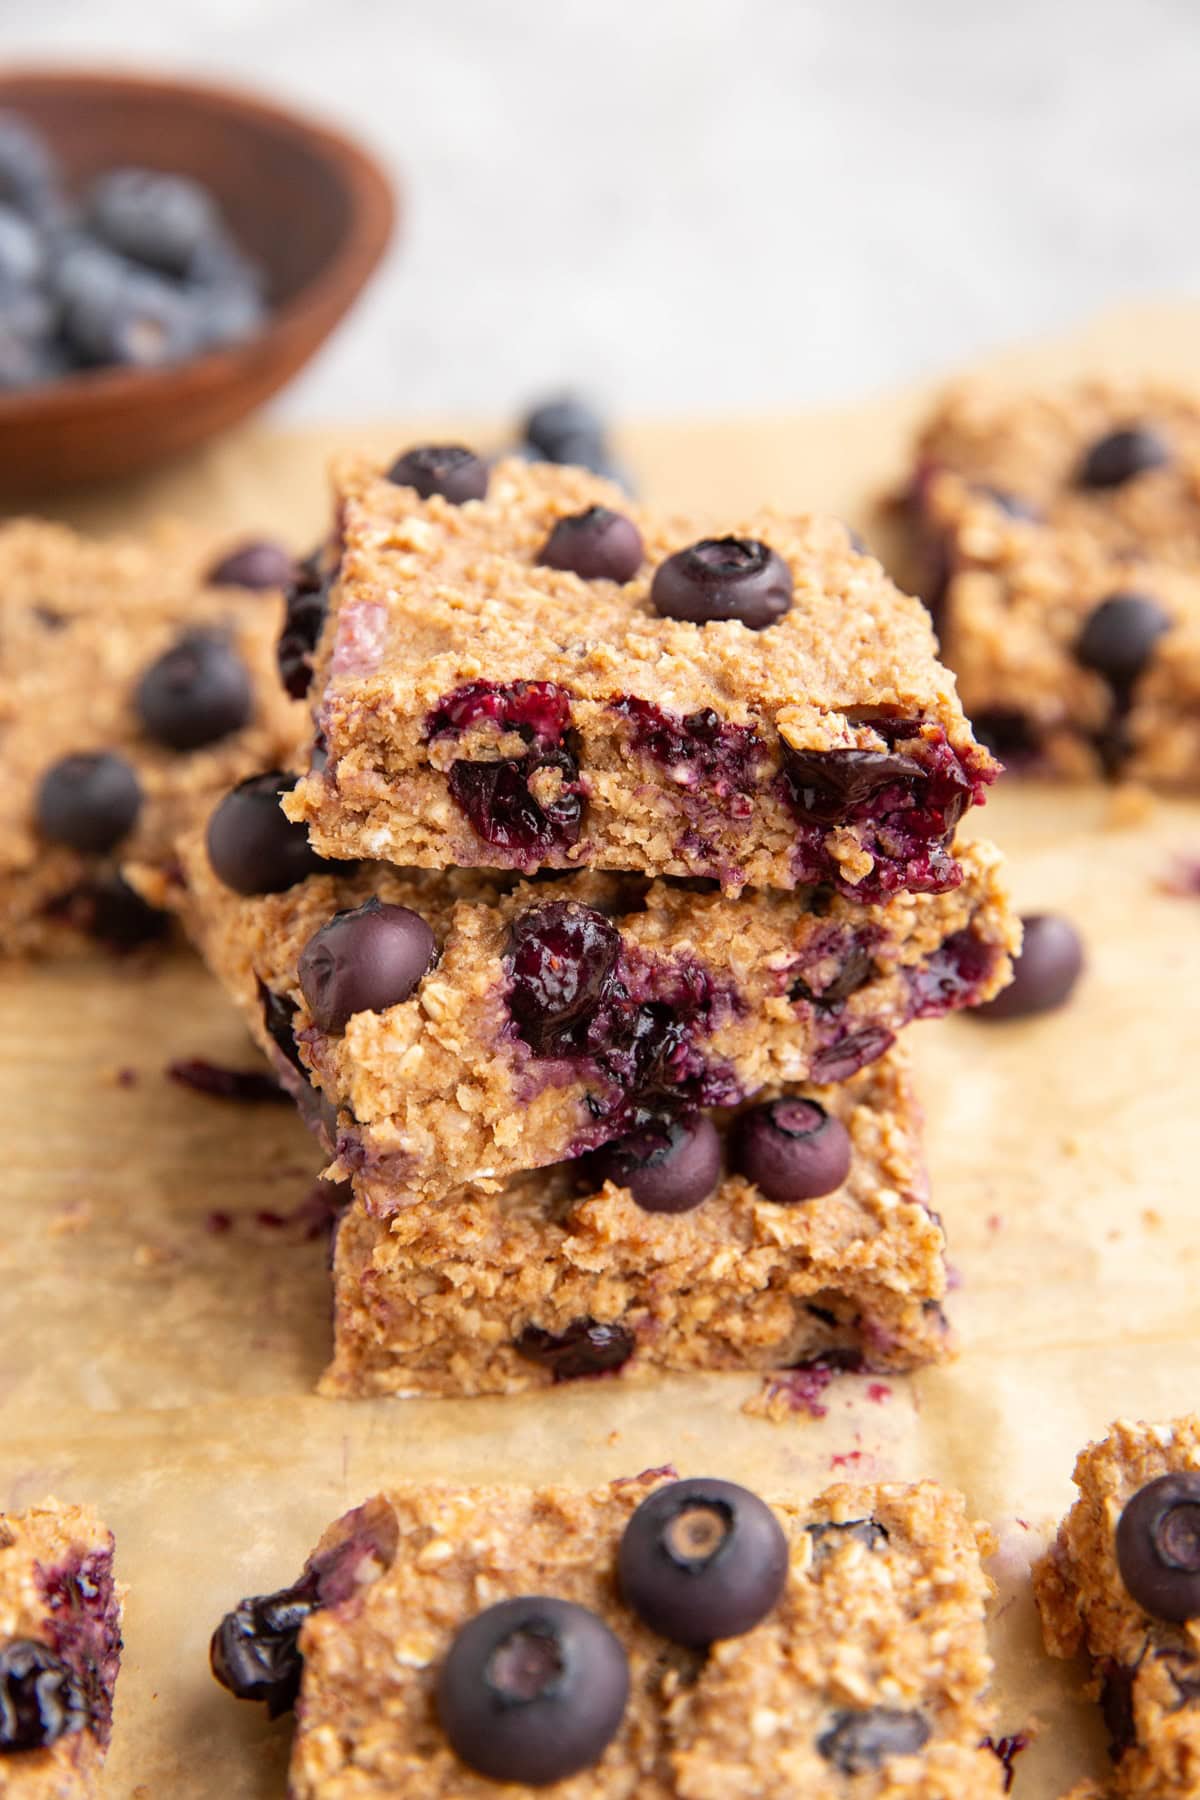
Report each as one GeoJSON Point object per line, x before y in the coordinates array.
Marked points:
{"type": "Point", "coordinates": [158, 1361]}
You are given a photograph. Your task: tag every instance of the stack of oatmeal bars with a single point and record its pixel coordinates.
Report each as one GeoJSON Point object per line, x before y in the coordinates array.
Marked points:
{"type": "Point", "coordinates": [622, 849]}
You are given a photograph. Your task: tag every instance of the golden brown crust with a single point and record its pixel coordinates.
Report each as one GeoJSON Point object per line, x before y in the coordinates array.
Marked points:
{"type": "Point", "coordinates": [81, 620]}
{"type": "Point", "coordinates": [900, 1625]}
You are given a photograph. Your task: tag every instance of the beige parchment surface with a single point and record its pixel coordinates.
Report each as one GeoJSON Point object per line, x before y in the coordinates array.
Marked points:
{"type": "Point", "coordinates": [162, 1370]}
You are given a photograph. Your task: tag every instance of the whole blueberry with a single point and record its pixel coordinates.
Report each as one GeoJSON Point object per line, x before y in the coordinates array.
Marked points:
{"type": "Point", "coordinates": [89, 801]}
{"type": "Point", "coordinates": [1120, 455]}
{"type": "Point", "coordinates": [196, 693]}
{"type": "Point", "coordinates": [258, 563]}
{"type": "Point", "coordinates": [599, 545]}
{"type": "Point", "coordinates": [255, 1649]}
{"type": "Point", "coordinates": [155, 218]}
{"type": "Point", "coordinates": [106, 909]}
{"type": "Point", "coordinates": [225, 312]}
{"type": "Point", "coordinates": [22, 251]}
{"type": "Point", "coordinates": [304, 615]}
{"type": "Point", "coordinates": [252, 846]}
{"type": "Point", "coordinates": [669, 1166]}
{"type": "Point", "coordinates": [41, 1699]}
{"type": "Point", "coordinates": [585, 1347]}
{"type": "Point", "coordinates": [702, 1560]}
{"type": "Point", "coordinates": [1044, 973]}
{"type": "Point", "coordinates": [556, 422]}
{"type": "Point", "coordinates": [114, 312]}
{"type": "Point", "coordinates": [450, 470]}
{"type": "Point", "coordinates": [364, 961]}
{"type": "Point", "coordinates": [1119, 636]}
{"type": "Point", "coordinates": [723, 578]}
{"type": "Point", "coordinates": [29, 178]}
{"type": "Point", "coordinates": [532, 1691]}
{"type": "Point", "coordinates": [1158, 1547]}
{"type": "Point", "coordinates": [791, 1149]}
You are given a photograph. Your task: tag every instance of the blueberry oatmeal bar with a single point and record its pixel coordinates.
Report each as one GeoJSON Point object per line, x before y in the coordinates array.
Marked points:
{"type": "Point", "coordinates": [794, 1233]}
{"type": "Point", "coordinates": [463, 1027]}
{"type": "Point", "coordinates": [60, 1649]}
{"type": "Point", "coordinates": [658, 1638]}
{"type": "Point", "coordinates": [1121, 1583]}
{"type": "Point", "coordinates": [136, 677]}
{"type": "Point", "coordinates": [516, 668]}
{"type": "Point", "coordinates": [1062, 538]}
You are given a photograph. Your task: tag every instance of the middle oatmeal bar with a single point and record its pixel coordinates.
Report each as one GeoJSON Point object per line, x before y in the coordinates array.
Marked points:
{"type": "Point", "coordinates": [541, 1019]}
{"type": "Point", "coordinates": [795, 1233]}
{"type": "Point", "coordinates": [523, 671]}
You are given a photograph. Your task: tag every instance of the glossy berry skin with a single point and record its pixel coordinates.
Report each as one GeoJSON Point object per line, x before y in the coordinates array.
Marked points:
{"type": "Point", "coordinates": [197, 693]}
{"type": "Point", "coordinates": [450, 470]}
{"type": "Point", "coordinates": [252, 847]}
{"type": "Point", "coordinates": [562, 958]}
{"type": "Point", "coordinates": [723, 578]}
{"type": "Point", "coordinates": [669, 1166]}
{"type": "Point", "coordinates": [598, 545]}
{"type": "Point", "coordinates": [304, 615]}
{"type": "Point", "coordinates": [1117, 458]}
{"type": "Point", "coordinates": [89, 802]}
{"type": "Point", "coordinates": [532, 1691]}
{"type": "Point", "coordinates": [1045, 972]}
{"type": "Point", "coordinates": [364, 961]}
{"type": "Point", "coordinates": [586, 1347]}
{"type": "Point", "coordinates": [702, 1560]}
{"type": "Point", "coordinates": [258, 564]}
{"type": "Point", "coordinates": [255, 1650]}
{"type": "Point", "coordinates": [1119, 636]}
{"type": "Point", "coordinates": [1158, 1547]}
{"type": "Point", "coordinates": [41, 1698]}
{"type": "Point", "coordinates": [791, 1149]}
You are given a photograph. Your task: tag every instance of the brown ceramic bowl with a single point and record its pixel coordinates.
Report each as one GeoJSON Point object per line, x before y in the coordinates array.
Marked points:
{"type": "Point", "coordinates": [306, 203]}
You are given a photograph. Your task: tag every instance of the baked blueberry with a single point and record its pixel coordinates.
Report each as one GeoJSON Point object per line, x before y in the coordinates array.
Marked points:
{"type": "Point", "coordinates": [89, 801]}
{"type": "Point", "coordinates": [599, 545]}
{"type": "Point", "coordinates": [791, 1149]}
{"type": "Point", "coordinates": [41, 1698]}
{"type": "Point", "coordinates": [256, 564]}
{"type": "Point", "coordinates": [723, 578]}
{"type": "Point", "coordinates": [563, 421]}
{"type": "Point", "coordinates": [585, 1347]}
{"type": "Point", "coordinates": [1120, 455]}
{"type": "Point", "coordinates": [197, 693]}
{"type": "Point", "coordinates": [532, 1691]}
{"type": "Point", "coordinates": [1045, 972]}
{"type": "Point", "coordinates": [858, 1742]}
{"type": "Point", "coordinates": [562, 957]}
{"type": "Point", "coordinates": [1119, 636]}
{"type": "Point", "coordinates": [1158, 1547]}
{"type": "Point", "coordinates": [702, 1560]}
{"type": "Point", "coordinates": [364, 961]}
{"type": "Point", "coordinates": [304, 615]}
{"type": "Point", "coordinates": [158, 219]}
{"type": "Point", "coordinates": [106, 909]}
{"type": "Point", "coordinates": [669, 1165]}
{"type": "Point", "coordinates": [252, 847]}
{"type": "Point", "coordinates": [450, 470]}
{"type": "Point", "coordinates": [255, 1649]}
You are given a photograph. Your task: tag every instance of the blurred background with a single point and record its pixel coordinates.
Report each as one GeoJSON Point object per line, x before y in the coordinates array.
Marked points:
{"type": "Point", "coordinates": [705, 205]}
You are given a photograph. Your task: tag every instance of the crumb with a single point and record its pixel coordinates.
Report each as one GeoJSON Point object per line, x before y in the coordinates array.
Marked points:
{"type": "Point", "coordinates": [1070, 1146]}
{"type": "Point", "coordinates": [1151, 1219]}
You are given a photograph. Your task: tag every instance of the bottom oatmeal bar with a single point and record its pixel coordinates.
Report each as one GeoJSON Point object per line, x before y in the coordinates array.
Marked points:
{"type": "Point", "coordinates": [660, 1639]}
{"type": "Point", "coordinates": [795, 1231]}
{"type": "Point", "coordinates": [60, 1649]}
{"type": "Point", "coordinates": [1122, 1583]}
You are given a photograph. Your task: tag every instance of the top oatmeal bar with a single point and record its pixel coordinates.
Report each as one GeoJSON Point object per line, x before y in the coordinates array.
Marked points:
{"type": "Point", "coordinates": [521, 670]}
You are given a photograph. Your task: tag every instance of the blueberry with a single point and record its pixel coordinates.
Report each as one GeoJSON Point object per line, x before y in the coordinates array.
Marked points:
{"type": "Point", "coordinates": [669, 1165]}
{"type": "Point", "coordinates": [255, 1649]}
{"type": "Point", "coordinates": [227, 314]}
{"type": "Point", "coordinates": [304, 615]}
{"type": "Point", "coordinates": [791, 1149]}
{"type": "Point", "coordinates": [364, 961]}
{"type": "Point", "coordinates": [252, 846]}
{"type": "Point", "coordinates": [563, 421]}
{"type": "Point", "coordinates": [29, 177]}
{"type": "Point", "coordinates": [22, 251]}
{"type": "Point", "coordinates": [89, 801]}
{"type": "Point", "coordinates": [1119, 636]}
{"type": "Point", "coordinates": [584, 452]}
{"type": "Point", "coordinates": [562, 959]}
{"type": "Point", "coordinates": [256, 564]}
{"type": "Point", "coordinates": [702, 1560]}
{"type": "Point", "coordinates": [858, 1742]}
{"type": "Point", "coordinates": [585, 1347]}
{"type": "Point", "coordinates": [196, 693]}
{"type": "Point", "coordinates": [157, 219]}
{"type": "Point", "coordinates": [1120, 455]}
{"type": "Point", "coordinates": [25, 364]}
{"type": "Point", "coordinates": [1044, 973]}
{"type": "Point", "coordinates": [1158, 1547]}
{"type": "Point", "coordinates": [597, 544]}
{"type": "Point", "coordinates": [41, 1699]}
{"type": "Point", "coordinates": [106, 909]}
{"type": "Point", "coordinates": [532, 1691]}
{"type": "Point", "coordinates": [450, 470]}
{"type": "Point", "coordinates": [113, 312]}
{"type": "Point", "coordinates": [723, 578]}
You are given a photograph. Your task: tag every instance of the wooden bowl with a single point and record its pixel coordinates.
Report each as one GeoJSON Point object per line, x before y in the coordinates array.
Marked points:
{"type": "Point", "coordinates": [309, 205]}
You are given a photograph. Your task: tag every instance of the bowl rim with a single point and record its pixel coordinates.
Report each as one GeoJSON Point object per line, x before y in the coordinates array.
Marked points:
{"type": "Point", "coordinates": [374, 212]}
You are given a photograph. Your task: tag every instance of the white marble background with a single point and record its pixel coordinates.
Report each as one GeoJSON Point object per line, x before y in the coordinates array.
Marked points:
{"type": "Point", "coordinates": [701, 205]}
